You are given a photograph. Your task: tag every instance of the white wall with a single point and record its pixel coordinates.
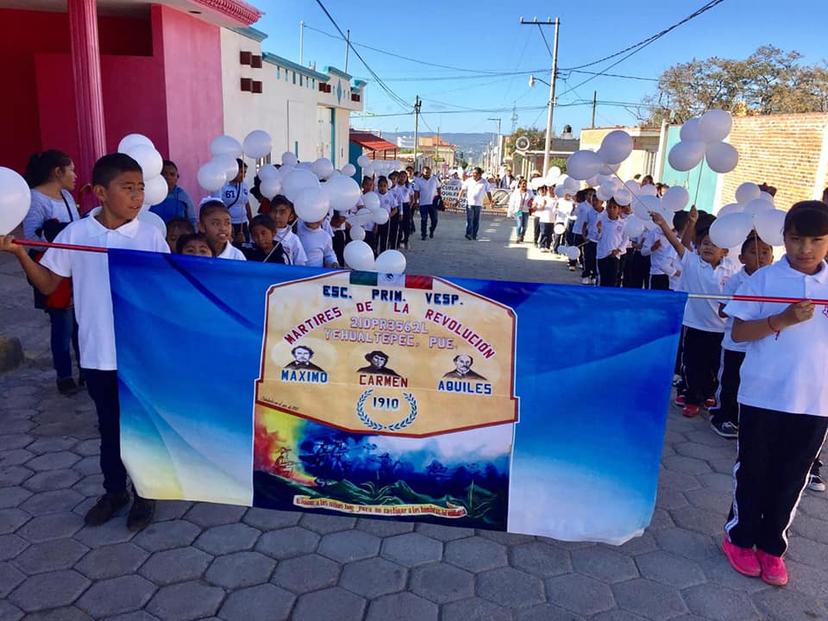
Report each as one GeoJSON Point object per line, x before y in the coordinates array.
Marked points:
{"type": "Point", "coordinates": [290, 113]}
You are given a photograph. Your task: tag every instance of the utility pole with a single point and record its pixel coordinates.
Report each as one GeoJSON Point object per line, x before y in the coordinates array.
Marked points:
{"type": "Point", "coordinates": [594, 105]}
{"type": "Point", "coordinates": [418, 104]}
{"type": "Point", "coordinates": [347, 47]}
{"type": "Point", "coordinates": [302, 43]}
{"type": "Point", "coordinates": [491, 163]}
{"type": "Point", "coordinates": [547, 148]}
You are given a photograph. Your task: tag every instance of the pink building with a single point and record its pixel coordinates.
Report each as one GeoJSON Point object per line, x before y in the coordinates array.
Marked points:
{"type": "Point", "coordinates": [81, 74]}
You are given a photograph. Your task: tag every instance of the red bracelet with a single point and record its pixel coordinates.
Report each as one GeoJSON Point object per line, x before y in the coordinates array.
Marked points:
{"type": "Point", "coordinates": [774, 330]}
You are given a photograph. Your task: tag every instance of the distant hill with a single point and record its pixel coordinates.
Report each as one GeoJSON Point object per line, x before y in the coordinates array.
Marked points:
{"type": "Point", "coordinates": [471, 144]}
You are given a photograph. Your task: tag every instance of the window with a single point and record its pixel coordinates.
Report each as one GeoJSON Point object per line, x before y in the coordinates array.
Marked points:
{"type": "Point", "coordinates": [294, 76]}
{"type": "Point", "coordinates": [300, 79]}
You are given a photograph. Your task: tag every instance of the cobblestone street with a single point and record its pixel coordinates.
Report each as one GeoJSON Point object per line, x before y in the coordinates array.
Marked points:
{"type": "Point", "coordinates": [212, 561]}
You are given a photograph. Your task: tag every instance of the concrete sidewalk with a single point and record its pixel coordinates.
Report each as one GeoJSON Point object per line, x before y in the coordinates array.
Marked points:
{"type": "Point", "coordinates": [211, 561]}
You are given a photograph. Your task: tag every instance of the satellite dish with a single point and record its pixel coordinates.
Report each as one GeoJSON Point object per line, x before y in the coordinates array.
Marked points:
{"type": "Point", "coordinates": [522, 143]}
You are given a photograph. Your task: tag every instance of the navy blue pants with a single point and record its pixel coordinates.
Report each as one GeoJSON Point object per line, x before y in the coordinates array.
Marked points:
{"type": "Point", "coordinates": [103, 388]}
{"type": "Point", "coordinates": [64, 336]}
{"type": "Point", "coordinates": [473, 220]}
{"type": "Point", "coordinates": [426, 212]}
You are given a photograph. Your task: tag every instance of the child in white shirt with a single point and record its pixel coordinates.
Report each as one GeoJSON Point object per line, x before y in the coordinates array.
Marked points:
{"type": "Point", "coordinates": [702, 272]}
{"type": "Point", "coordinates": [236, 197]}
{"type": "Point", "coordinates": [783, 396]}
{"type": "Point", "coordinates": [214, 222]}
{"type": "Point", "coordinates": [317, 243]}
{"type": "Point", "coordinates": [283, 214]}
{"type": "Point", "coordinates": [118, 184]}
{"type": "Point", "coordinates": [612, 243]}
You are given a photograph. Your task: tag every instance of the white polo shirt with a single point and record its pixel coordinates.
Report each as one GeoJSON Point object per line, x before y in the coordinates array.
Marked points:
{"type": "Point", "coordinates": [427, 188]}
{"type": "Point", "coordinates": [232, 253]}
{"type": "Point", "coordinates": [404, 193]}
{"type": "Point", "coordinates": [663, 259]}
{"type": "Point", "coordinates": [730, 288]}
{"type": "Point", "coordinates": [294, 252]}
{"type": "Point", "coordinates": [582, 210]}
{"type": "Point", "coordinates": [612, 236]}
{"type": "Point", "coordinates": [788, 373]}
{"type": "Point", "coordinates": [476, 191]}
{"type": "Point", "coordinates": [388, 201]}
{"type": "Point", "coordinates": [592, 223]}
{"type": "Point", "coordinates": [90, 279]}
{"type": "Point", "coordinates": [698, 276]}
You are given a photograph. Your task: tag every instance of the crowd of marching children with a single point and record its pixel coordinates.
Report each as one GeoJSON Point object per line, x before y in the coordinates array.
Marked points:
{"type": "Point", "coordinates": [757, 363]}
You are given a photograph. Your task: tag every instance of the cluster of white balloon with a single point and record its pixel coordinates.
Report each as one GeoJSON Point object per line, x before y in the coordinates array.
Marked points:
{"type": "Point", "coordinates": [142, 150]}
{"type": "Point", "coordinates": [377, 167]}
{"type": "Point", "coordinates": [703, 139]}
{"type": "Point", "coordinates": [316, 190]}
{"type": "Point", "coordinates": [753, 209]}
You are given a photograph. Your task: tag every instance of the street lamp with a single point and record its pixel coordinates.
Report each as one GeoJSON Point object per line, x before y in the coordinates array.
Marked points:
{"type": "Point", "coordinates": [533, 79]}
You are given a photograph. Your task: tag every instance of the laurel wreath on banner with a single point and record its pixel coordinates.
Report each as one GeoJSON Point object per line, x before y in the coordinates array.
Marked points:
{"type": "Point", "coordinates": [372, 424]}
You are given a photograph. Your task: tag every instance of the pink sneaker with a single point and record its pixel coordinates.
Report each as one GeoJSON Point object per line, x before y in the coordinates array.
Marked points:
{"type": "Point", "coordinates": [690, 411]}
{"type": "Point", "coordinates": [742, 560]}
{"type": "Point", "coordinates": [773, 568]}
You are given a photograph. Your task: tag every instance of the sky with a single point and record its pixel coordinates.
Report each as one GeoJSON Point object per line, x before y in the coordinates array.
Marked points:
{"type": "Point", "coordinates": [486, 36]}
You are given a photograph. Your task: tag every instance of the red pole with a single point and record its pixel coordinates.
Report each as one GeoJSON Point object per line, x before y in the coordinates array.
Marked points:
{"type": "Point", "coordinates": [86, 70]}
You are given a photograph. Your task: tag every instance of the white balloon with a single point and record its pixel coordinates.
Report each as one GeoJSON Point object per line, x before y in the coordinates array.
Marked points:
{"type": "Point", "coordinates": [686, 155]}
{"type": "Point", "coordinates": [371, 200]}
{"type": "Point", "coordinates": [722, 157]}
{"type": "Point", "coordinates": [359, 256]}
{"type": "Point", "coordinates": [15, 199]}
{"type": "Point", "coordinates": [622, 196]}
{"type": "Point", "coordinates": [583, 164]}
{"type": "Point", "coordinates": [572, 185]}
{"type": "Point", "coordinates": [153, 219]}
{"type": "Point", "coordinates": [559, 228]}
{"type": "Point", "coordinates": [573, 252]}
{"type": "Point", "coordinates": [133, 140]}
{"type": "Point", "coordinates": [312, 204]}
{"type": "Point", "coordinates": [148, 159]}
{"type": "Point", "coordinates": [715, 125]}
{"type": "Point", "coordinates": [767, 196]}
{"type": "Point", "coordinates": [633, 226]}
{"type": "Point", "coordinates": [730, 230]}
{"type": "Point", "coordinates": [225, 145]}
{"type": "Point", "coordinates": [155, 190]}
{"type": "Point", "coordinates": [561, 191]}
{"type": "Point", "coordinates": [604, 193]}
{"type": "Point", "coordinates": [267, 172]}
{"type": "Point", "coordinates": [747, 192]}
{"type": "Point", "coordinates": [357, 232]}
{"type": "Point", "coordinates": [731, 208]}
{"type": "Point", "coordinates": [349, 170]}
{"type": "Point", "coordinates": [343, 193]}
{"type": "Point", "coordinates": [561, 249]}
{"type": "Point", "coordinates": [675, 198]}
{"type": "Point", "coordinates": [615, 147]}
{"type": "Point", "coordinates": [270, 188]}
{"type": "Point", "coordinates": [364, 217]}
{"type": "Point", "coordinates": [757, 205]}
{"type": "Point", "coordinates": [297, 180]}
{"type": "Point", "coordinates": [323, 168]}
{"type": "Point", "coordinates": [229, 164]}
{"type": "Point", "coordinates": [211, 176]}
{"type": "Point", "coordinates": [390, 262]}
{"type": "Point", "coordinates": [633, 186]}
{"type": "Point", "coordinates": [381, 216]}
{"type": "Point", "coordinates": [363, 161]}
{"type": "Point", "coordinates": [769, 225]}
{"type": "Point", "coordinates": [289, 159]}
{"type": "Point", "coordinates": [257, 144]}
{"type": "Point", "coordinates": [594, 182]}
{"type": "Point", "coordinates": [648, 190]}
{"type": "Point", "coordinates": [553, 173]}
{"type": "Point", "coordinates": [691, 131]}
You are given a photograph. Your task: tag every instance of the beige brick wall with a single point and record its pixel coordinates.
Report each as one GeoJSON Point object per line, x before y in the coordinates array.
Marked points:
{"type": "Point", "coordinates": [782, 150]}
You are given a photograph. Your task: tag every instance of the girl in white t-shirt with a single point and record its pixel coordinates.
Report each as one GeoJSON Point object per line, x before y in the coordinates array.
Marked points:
{"type": "Point", "coordinates": [235, 196]}
{"type": "Point", "coordinates": [783, 395]}
{"type": "Point", "coordinates": [544, 207]}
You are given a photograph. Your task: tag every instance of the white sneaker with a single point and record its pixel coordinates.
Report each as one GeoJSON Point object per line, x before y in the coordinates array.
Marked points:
{"type": "Point", "coordinates": [593, 281]}
{"type": "Point", "coordinates": [585, 280]}
{"type": "Point", "coordinates": [815, 483]}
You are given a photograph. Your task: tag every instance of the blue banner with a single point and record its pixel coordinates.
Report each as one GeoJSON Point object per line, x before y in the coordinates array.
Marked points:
{"type": "Point", "coordinates": [530, 408]}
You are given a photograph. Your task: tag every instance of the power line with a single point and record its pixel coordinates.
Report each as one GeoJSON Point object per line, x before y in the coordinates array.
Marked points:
{"type": "Point", "coordinates": [704, 8]}
{"type": "Point", "coordinates": [394, 97]}
{"type": "Point", "coordinates": [543, 35]}
{"type": "Point", "coordinates": [569, 104]}
{"type": "Point", "coordinates": [641, 45]}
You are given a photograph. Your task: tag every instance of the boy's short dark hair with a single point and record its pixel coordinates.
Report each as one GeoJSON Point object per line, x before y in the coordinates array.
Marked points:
{"type": "Point", "coordinates": [182, 241]}
{"type": "Point", "coordinates": [265, 221]}
{"type": "Point", "coordinates": [280, 199]}
{"type": "Point", "coordinates": [807, 218]}
{"type": "Point", "coordinates": [210, 207]}
{"type": "Point", "coordinates": [680, 219]}
{"type": "Point", "coordinates": [701, 233]}
{"type": "Point", "coordinates": [168, 164]}
{"type": "Point", "coordinates": [111, 165]}
{"type": "Point", "coordinates": [580, 195]}
{"type": "Point", "coordinates": [181, 223]}
{"type": "Point", "coordinates": [751, 239]}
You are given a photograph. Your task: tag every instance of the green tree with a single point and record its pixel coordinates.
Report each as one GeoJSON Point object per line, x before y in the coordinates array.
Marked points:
{"type": "Point", "coordinates": [769, 81]}
{"type": "Point", "coordinates": [536, 138]}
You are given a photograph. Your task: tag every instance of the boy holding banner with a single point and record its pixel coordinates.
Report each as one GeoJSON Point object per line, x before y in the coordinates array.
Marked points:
{"type": "Point", "coordinates": [118, 184]}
